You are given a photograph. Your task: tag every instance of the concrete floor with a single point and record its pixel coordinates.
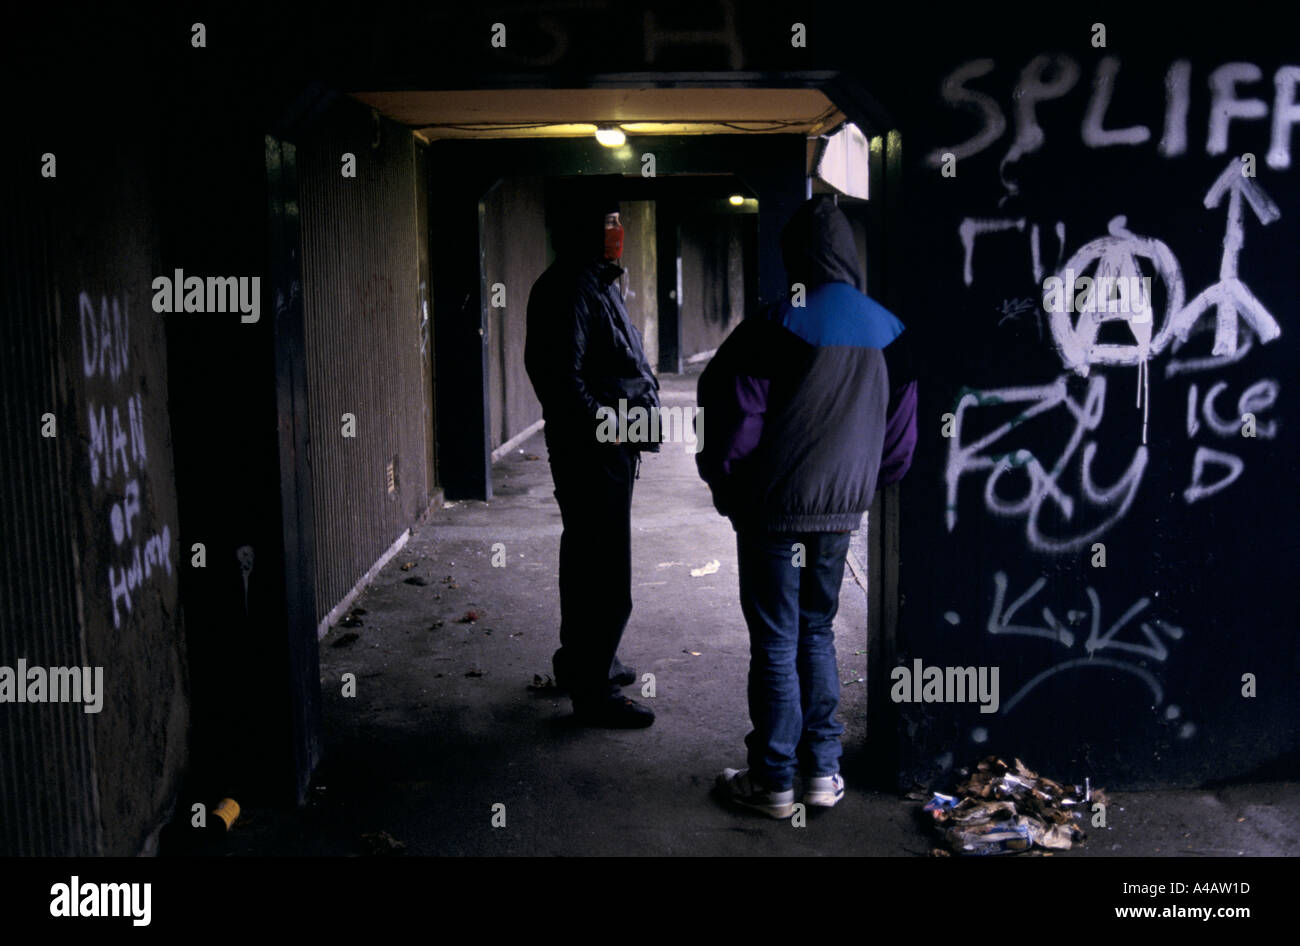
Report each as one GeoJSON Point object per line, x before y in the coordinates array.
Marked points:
{"type": "Point", "coordinates": [444, 725]}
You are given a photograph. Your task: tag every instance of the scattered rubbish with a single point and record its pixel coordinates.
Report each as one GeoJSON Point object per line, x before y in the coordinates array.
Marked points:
{"type": "Point", "coordinates": [449, 582]}
{"type": "Point", "coordinates": [381, 842]}
{"type": "Point", "coordinates": [542, 682]}
{"type": "Point", "coordinates": [475, 672]}
{"type": "Point", "coordinates": [435, 625]}
{"type": "Point", "coordinates": [448, 505]}
{"type": "Point", "coordinates": [532, 456]}
{"type": "Point", "coordinates": [517, 634]}
{"type": "Point", "coordinates": [708, 569]}
{"type": "Point", "coordinates": [853, 680]}
{"type": "Point", "coordinates": [346, 639]}
{"type": "Point", "coordinates": [667, 564]}
{"type": "Point", "coordinates": [1000, 809]}
{"type": "Point", "coordinates": [858, 653]}
{"type": "Point", "coordinates": [469, 618]}
{"type": "Point", "coordinates": [693, 653]}
{"type": "Point", "coordinates": [416, 580]}
{"type": "Point", "coordinates": [407, 566]}
{"type": "Point", "coordinates": [351, 620]}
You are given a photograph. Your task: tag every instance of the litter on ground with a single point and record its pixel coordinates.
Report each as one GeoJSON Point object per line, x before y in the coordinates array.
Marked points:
{"type": "Point", "coordinates": [1002, 809]}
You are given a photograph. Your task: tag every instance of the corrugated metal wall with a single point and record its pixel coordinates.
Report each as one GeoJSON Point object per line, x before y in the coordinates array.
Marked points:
{"type": "Point", "coordinates": [364, 330]}
{"type": "Point", "coordinates": [514, 255]}
{"type": "Point", "coordinates": [89, 551]}
{"type": "Point", "coordinates": [46, 773]}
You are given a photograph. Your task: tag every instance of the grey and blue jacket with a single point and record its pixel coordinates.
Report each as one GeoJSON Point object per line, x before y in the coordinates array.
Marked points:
{"type": "Point", "coordinates": [806, 408]}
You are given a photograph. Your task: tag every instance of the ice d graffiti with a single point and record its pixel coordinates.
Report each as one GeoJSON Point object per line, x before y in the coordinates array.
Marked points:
{"type": "Point", "coordinates": [684, 425]}
{"type": "Point", "coordinates": [181, 293]}
{"type": "Point", "coordinates": [23, 684]}
{"type": "Point", "coordinates": [1121, 294]}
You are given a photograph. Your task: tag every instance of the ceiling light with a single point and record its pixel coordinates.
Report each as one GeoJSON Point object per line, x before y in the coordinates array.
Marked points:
{"type": "Point", "coordinates": [610, 137]}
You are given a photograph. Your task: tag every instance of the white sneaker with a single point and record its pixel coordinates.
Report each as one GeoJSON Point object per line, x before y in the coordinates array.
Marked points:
{"type": "Point", "coordinates": [824, 790]}
{"type": "Point", "coordinates": [735, 786]}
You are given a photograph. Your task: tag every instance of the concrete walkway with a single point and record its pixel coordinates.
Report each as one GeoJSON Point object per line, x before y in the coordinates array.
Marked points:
{"type": "Point", "coordinates": [445, 726]}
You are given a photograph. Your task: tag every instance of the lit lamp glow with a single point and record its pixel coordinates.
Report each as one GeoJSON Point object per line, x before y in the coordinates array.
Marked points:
{"type": "Point", "coordinates": [611, 137]}
{"type": "Point", "coordinates": [736, 200]}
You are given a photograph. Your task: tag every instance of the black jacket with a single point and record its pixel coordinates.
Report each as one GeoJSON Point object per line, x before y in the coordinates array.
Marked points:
{"type": "Point", "coordinates": [582, 352]}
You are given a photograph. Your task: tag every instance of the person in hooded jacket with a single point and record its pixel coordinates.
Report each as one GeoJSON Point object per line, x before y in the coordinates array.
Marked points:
{"type": "Point", "coordinates": [584, 356]}
{"type": "Point", "coordinates": [811, 407]}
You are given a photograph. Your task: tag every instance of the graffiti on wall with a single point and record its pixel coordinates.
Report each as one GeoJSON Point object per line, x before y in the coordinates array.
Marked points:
{"type": "Point", "coordinates": [1227, 308]}
{"type": "Point", "coordinates": [1034, 448]}
{"type": "Point", "coordinates": [1125, 645]}
{"type": "Point", "coordinates": [1048, 77]}
{"type": "Point", "coordinates": [139, 551]}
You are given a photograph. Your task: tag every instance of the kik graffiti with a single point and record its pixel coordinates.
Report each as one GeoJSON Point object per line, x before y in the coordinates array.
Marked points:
{"type": "Point", "coordinates": [1131, 640]}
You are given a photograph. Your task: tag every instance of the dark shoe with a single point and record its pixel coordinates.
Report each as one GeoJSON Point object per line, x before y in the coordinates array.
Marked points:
{"type": "Point", "coordinates": [615, 712]}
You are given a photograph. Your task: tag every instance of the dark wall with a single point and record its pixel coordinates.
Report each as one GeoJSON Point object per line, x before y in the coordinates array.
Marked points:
{"type": "Point", "coordinates": [365, 344]}
{"type": "Point", "coordinates": [237, 399]}
{"type": "Point", "coordinates": [713, 279]}
{"type": "Point", "coordinates": [1071, 433]}
{"type": "Point", "coordinates": [92, 546]}
{"type": "Point", "coordinates": [514, 255]}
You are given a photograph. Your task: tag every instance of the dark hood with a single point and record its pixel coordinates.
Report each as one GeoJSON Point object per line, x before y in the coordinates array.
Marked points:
{"type": "Point", "coordinates": [575, 214]}
{"type": "Point", "coordinates": [817, 245]}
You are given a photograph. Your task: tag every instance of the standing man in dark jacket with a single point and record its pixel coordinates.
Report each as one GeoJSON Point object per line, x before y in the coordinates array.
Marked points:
{"type": "Point", "coordinates": [811, 407]}
{"type": "Point", "coordinates": [585, 358]}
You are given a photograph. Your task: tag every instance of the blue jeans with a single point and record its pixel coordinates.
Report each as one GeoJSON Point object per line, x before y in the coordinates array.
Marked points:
{"type": "Point", "coordinates": [794, 684]}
